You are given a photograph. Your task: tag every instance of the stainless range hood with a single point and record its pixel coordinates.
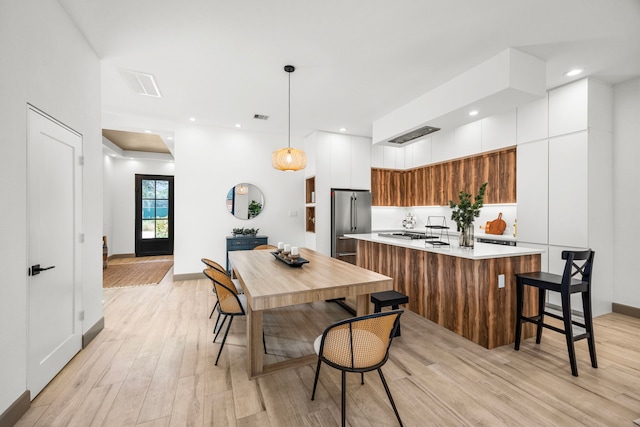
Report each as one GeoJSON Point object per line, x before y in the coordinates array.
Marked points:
{"type": "Point", "coordinates": [414, 134]}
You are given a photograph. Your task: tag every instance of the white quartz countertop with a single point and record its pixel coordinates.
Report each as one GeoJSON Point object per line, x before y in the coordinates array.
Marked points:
{"type": "Point", "coordinates": [479, 251]}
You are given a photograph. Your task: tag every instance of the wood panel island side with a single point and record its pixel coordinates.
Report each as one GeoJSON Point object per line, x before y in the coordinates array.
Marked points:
{"type": "Point", "coordinates": [457, 288]}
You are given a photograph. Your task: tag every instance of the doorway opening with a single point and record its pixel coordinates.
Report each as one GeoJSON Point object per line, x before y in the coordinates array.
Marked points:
{"type": "Point", "coordinates": [154, 215]}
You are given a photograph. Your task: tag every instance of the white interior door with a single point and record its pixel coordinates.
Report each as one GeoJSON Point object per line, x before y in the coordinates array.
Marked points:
{"type": "Point", "coordinates": [54, 205]}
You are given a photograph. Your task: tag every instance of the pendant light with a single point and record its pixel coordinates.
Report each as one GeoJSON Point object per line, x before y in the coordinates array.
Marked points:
{"type": "Point", "coordinates": [289, 159]}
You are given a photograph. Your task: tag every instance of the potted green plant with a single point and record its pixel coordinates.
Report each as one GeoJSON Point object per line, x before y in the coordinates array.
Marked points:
{"type": "Point", "coordinates": [464, 212]}
{"type": "Point", "coordinates": [251, 231]}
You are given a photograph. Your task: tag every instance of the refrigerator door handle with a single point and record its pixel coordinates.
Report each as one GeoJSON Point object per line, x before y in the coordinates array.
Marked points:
{"type": "Point", "coordinates": [355, 213]}
{"type": "Point", "coordinates": [351, 213]}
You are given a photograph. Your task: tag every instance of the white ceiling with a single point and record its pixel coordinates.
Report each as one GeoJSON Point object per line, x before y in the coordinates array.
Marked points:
{"type": "Point", "coordinates": [356, 60]}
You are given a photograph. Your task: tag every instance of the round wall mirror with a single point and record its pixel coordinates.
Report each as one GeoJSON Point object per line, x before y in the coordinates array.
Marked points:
{"type": "Point", "coordinates": [245, 201]}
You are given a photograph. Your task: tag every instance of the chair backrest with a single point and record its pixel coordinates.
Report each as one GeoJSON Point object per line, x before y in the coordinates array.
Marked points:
{"type": "Point", "coordinates": [261, 247]}
{"type": "Point", "coordinates": [227, 296]}
{"type": "Point", "coordinates": [575, 269]}
{"type": "Point", "coordinates": [212, 264]}
{"type": "Point", "coordinates": [360, 343]}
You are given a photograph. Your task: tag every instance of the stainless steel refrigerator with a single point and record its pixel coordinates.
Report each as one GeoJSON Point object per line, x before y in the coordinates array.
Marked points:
{"type": "Point", "coordinates": [350, 214]}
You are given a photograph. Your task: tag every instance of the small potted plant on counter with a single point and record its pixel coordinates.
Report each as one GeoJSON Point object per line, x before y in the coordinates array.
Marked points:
{"type": "Point", "coordinates": [465, 212]}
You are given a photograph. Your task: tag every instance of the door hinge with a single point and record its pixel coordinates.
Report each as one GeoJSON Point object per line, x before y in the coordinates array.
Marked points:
{"type": "Point", "coordinates": [81, 315]}
{"type": "Point", "coordinates": [81, 160]}
{"type": "Point", "coordinates": [81, 237]}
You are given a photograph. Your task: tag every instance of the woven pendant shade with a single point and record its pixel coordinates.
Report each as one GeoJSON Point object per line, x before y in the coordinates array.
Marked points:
{"type": "Point", "coordinates": [289, 159]}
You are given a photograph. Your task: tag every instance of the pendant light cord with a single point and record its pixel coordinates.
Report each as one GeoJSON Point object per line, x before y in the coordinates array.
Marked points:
{"type": "Point", "coordinates": [289, 110]}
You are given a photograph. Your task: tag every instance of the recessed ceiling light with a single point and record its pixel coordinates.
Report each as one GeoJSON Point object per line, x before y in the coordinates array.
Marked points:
{"type": "Point", "coordinates": [193, 119]}
{"type": "Point", "coordinates": [147, 131]}
{"type": "Point", "coordinates": [343, 129]}
{"type": "Point", "coordinates": [473, 113]}
{"type": "Point", "coordinates": [238, 125]}
{"type": "Point", "coordinates": [170, 138]}
{"type": "Point", "coordinates": [574, 72]}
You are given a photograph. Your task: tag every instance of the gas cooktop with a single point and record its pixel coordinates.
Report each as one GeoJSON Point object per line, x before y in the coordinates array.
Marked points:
{"type": "Point", "coordinates": [409, 235]}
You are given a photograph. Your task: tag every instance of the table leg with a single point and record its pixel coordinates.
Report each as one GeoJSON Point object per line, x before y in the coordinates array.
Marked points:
{"type": "Point", "coordinates": [255, 350]}
{"type": "Point", "coordinates": [363, 306]}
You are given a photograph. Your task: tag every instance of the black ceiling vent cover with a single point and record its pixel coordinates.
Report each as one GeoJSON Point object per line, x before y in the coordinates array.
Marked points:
{"type": "Point", "coordinates": [414, 134]}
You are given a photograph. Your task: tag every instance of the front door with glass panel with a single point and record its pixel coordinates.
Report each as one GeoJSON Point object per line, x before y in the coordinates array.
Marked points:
{"type": "Point", "coordinates": [154, 215]}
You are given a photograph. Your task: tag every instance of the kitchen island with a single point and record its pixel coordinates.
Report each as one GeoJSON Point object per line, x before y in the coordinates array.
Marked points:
{"type": "Point", "coordinates": [457, 288]}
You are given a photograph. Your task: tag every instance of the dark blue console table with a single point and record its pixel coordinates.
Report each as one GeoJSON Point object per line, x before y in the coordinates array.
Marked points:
{"type": "Point", "coordinates": [243, 243]}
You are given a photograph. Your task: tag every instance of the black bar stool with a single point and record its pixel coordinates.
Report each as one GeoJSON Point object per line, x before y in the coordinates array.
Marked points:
{"type": "Point", "coordinates": [566, 284]}
{"type": "Point", "coordinates": [386, 299]}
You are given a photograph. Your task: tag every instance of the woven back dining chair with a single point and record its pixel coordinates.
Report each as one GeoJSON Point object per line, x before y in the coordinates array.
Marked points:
{"type": "Point", "coordinates": [230, 303]}
{"type": "Point", "coordinates": [263, 247]}
{"type": "Point", "coordinates": [360, 344]}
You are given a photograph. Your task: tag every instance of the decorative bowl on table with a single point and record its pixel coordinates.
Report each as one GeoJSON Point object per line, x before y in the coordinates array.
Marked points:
{"type": "Point", "coordinates": [297, 262]}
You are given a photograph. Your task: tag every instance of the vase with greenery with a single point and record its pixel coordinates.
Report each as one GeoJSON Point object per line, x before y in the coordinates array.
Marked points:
{"type": "Point", "coordinates": [465, 211]}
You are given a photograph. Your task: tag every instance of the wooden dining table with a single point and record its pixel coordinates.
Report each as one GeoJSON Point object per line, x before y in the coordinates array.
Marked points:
{"type": "Point", "coordinates": [270, 283]}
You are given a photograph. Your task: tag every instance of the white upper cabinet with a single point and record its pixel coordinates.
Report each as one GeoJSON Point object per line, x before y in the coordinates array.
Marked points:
{"type": "Point", "coordinates": [600, 106]}
{"type": "Point", "coordinates": [393, 157]}
{"type": "Point", "coordinates": [350, 161]}
{"type": "Point", "coordinates": [568, 107]}
{"type": "Point", "coordinates": [532, 123]}
{"type": "Point", "coordinates": [459, 142]}
{"type": "Point", "coordinates": [421, 152]}
{"type": "Point", "coordinates": [568, 190]}
{"type": "Point", "coordinates": [532, 191]}
{"type": "Point", "coordinates": [499, 131]}
{"type": "Point", "coordinates": [340, 161]}
{"type": "Point", "coordinates": [408, 156]}
{"type": "Point", "coordinates": [360, 163]}
{"type": "Point", "coordinates": [468, 139]}
{"type": "Point", "coordinates": [443, 146]}
{"type": "Point", "coordinates": [377, 156]}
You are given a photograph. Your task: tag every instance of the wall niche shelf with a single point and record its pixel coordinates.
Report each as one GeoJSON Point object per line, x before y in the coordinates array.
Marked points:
{"type": "Point", "coordinates": [310, 203]}
{"type": "Point", "coordinates": [310, 212]}
{"type": "Point", "coordinates": [310, 190]}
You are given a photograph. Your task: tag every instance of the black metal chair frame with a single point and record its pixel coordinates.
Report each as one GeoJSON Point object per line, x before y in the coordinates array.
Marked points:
{"type": "Point", "coordinates": [566, 285]}
{"type": "Point", "coordinates": [227, 314]}
{"type": "Point", "coordinates": [345, 369]}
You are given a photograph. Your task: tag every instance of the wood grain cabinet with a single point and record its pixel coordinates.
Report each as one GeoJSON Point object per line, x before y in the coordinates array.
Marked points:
{"type": "Point", "coordinates": [435, 185]}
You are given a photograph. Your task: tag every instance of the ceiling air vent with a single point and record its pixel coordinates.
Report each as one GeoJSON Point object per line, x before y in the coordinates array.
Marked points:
{"type": "Point", "coordinates": [141, 83]}
{"type": "Point", "coordinates": [414, 134]}
{"type": "Point", "coordinates": [260, 117]}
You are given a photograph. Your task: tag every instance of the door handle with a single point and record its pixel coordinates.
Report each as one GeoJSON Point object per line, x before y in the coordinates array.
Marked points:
{"type": "Point", "coordinates": [36, 269]}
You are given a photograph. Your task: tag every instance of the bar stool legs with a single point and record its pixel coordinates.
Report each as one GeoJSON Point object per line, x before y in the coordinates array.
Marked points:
{"type": "Point", "coordinates": [575, 279]}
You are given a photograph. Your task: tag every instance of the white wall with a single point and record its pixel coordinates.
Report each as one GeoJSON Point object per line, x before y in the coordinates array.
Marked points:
{"type": "Point", "coordinates": [626, 176]}
{"type": "Point", "coordinates": [119, 198]}
{"type": "Point", "coordinates": [45, 62]}
{"type": "Point", "coordinates": [209, 161]}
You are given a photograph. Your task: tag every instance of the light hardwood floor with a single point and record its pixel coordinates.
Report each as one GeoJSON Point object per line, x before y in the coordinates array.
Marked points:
{"type": "Point", "coordinates": [152, 365]}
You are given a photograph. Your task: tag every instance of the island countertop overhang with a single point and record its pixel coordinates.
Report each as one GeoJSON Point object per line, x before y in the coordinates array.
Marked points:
{"type": "Point", "coordinates": [479, 251]}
